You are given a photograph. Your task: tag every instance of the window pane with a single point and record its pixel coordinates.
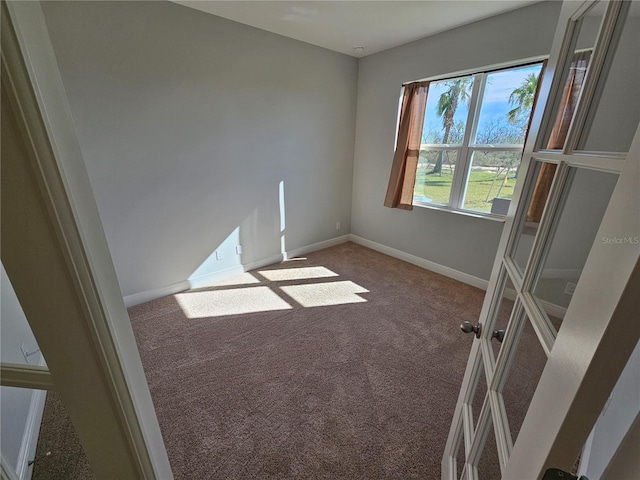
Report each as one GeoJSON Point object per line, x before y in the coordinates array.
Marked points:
{"type": "Point", "coordinates": [492, 177]}
{"type": "Point", "coordinates": [506, 106]}
{"type": "Point", "coordinates": [431, 186]}
{"type": "Point", "coordinates": [445, 118]}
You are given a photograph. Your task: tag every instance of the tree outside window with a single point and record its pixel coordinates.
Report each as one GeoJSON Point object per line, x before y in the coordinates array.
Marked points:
{"type": "Point", "coordinates": [474, 131]}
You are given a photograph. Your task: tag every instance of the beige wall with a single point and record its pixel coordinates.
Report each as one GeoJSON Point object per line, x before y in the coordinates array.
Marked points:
{"type": "Point", "coordinates": [188, 124]}
{"type": "Point", "coordinates": [460, 242]}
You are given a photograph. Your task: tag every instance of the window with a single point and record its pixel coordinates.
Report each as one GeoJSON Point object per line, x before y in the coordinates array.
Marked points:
{"type": "Point", "coordinates": [472, 139]}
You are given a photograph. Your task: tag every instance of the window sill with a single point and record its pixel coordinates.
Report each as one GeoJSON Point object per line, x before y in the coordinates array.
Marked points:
{"type": "Point", "coordinates": [466, 213]}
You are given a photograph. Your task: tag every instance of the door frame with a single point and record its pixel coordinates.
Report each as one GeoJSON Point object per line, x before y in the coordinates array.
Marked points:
{"type": "Point", "coordinates": [531, 456]}
{"type": "Point", "coordinates": [55, 252]}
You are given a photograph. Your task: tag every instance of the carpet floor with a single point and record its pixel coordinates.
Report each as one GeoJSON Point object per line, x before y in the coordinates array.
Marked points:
{"type": "Point", "coordinates": [66, 460]}
{"type": "Point", "coordinates": [344, 364]}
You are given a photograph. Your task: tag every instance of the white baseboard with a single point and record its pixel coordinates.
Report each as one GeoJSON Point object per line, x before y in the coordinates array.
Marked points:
{"type": "Point", "coordinates": [31, 434]}
{"type": "Point", "coordinates": [148, 295]}
{"type": "Point", "coordinates": [263, 262]}
{"type": "Point", "coordinates": [421, 262]}
{"type": "Point", "coordinates": [314, 247]}
{"type": "Point", "coordinates": [211, 278]}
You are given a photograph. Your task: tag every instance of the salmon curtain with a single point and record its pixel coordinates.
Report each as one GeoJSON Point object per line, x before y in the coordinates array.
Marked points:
{"type": "Point", "coordinates": [405, 160]}
{"type": "Point", "coordinates": [568, 103]}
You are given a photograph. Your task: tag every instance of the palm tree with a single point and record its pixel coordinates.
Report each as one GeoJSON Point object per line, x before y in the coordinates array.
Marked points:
{"type": "Point", "coordinates": [523, 97]}
{"type": "Point", "coordinates": [457, 93]}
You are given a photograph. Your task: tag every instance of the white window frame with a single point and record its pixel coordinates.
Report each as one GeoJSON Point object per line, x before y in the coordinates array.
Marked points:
{"type": "Point", "coordinates": [466, 149]}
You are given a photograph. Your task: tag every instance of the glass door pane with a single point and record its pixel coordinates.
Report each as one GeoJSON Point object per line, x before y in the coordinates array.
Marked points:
{"type": "Point", "coordinates": [38, 439]}
{"type": "Point", "coordinates": [523, 377]}
{"type": "Point", "coordinates": [479, 398]}
{"type": "Point", "coordinates": [574, 76]}
{"type": "Point", "coordinates": [460, 458]}
{"type": "Point", "coordinates": [489, 464]}
{"type": "Point", "coordinates": [58, 436]}
{"type": "Point", "coordinates": [620, 97]}
{"type": "Point", "coordinates": [18, 343]}
{"type": "Point", "coordinates": [544, 173]}
{"type": "Point", "coordinates": [503, 315]}
{"type": "Point", "coordinates": [587, 194]}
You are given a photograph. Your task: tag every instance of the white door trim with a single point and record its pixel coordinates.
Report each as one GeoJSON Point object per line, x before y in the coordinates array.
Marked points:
{"type": "Point", "coordinates": [91, 352]}
{"type": "Point", "coordinates": [26, 376]}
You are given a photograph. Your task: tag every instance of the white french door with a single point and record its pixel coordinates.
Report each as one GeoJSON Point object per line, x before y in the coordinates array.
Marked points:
{"type": "Point", "coordinates": [554, 331]}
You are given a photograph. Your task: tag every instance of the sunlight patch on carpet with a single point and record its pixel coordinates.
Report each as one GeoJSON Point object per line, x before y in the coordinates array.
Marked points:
{"type": "Point", "coordinates": [297, 273]}
{"type": "Point", "coordinates": [230, 302]}
{"type": "Point", "coordinates": [324, 294]}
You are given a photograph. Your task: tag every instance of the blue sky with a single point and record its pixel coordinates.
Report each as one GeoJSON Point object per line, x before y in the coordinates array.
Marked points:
{"type": "Point", "coordinates": [495, 103]}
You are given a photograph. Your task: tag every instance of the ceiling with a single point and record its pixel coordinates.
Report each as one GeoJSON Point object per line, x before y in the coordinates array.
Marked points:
{"type": "Point", "coordinates": [343, 25]}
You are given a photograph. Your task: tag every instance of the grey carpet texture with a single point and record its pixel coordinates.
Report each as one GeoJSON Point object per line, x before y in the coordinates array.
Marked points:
{"type": "Point", "coordinates": [346, 365]}
{"type": "Point", "coordinates": [66, 459]}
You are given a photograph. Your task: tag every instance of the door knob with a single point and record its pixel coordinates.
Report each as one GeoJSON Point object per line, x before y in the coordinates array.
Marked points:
{"type": "Point", "coordinates": [498, 335]}
{"type": "Point", "coordinates": [467, 327]}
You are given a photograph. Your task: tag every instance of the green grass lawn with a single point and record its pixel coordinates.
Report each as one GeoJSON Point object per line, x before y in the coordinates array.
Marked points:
{"type": "Point", "coordinates": [478, 196]}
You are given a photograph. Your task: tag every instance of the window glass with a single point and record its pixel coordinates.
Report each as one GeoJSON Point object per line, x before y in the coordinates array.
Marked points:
{"type": "Point", "coordinates": [434, 176]}
{"type": "Point", "coordinates": [491, 180]}
{"type": "Point", "coordinates": [472, 137]}
{"type": "Point", "coordinates": [445, 118]}
{"type": "Point", "coordinates": [506, 106]}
